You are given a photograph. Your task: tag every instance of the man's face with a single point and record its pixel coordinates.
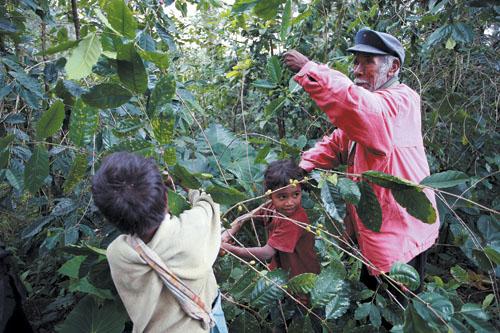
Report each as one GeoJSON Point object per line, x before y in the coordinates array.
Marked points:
{"type": "Point", "coordinates": [287, 200]}
{"type": "Point", "coordinates": [370, 71]}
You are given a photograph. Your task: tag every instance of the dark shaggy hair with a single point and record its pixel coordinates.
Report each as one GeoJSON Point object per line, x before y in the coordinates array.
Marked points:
{"type": "Point", "coordinates": [129, 191]}
{"type": "Point", "coordinates": [279, 173]}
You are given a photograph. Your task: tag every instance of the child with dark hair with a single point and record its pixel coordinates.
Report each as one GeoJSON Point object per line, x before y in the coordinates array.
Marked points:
{"type": "Point", "coordinates": [289, 245]}
{"type": "Point", "coordinates": [162, 264]}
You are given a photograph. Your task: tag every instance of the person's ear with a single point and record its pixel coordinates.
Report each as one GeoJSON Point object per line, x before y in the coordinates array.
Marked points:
{"type": "Point", "coordinates": [395, 65]}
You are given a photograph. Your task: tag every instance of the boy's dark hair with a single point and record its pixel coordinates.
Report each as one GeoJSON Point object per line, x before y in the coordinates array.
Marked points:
{"type": "Point", "coordinates": [279, 173]}
{"type": "Point", "coordinates": [129, 191]}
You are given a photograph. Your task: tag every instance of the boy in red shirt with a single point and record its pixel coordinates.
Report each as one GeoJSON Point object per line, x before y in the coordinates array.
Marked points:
{"type": "Point", "coordinates": [289, 246]}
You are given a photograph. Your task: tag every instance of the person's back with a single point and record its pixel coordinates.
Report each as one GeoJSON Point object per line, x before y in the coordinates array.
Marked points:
{"type": "Point", "coordinates": [130, 192]}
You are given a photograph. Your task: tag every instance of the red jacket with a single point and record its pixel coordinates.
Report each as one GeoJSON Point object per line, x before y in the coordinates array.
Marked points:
{"type": "Point", "coordinates": [386, 127]}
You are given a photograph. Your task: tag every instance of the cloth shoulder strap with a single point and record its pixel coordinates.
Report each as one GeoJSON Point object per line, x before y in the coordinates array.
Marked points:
{"type": "Point", "coordinates": [188, 300]}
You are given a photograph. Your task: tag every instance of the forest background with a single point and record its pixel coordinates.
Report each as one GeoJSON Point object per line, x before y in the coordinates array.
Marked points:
{"type": "Point", "coordinates": [198, 85]}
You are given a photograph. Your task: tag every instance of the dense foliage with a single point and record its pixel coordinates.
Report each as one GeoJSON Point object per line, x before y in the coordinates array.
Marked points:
{"type": "Point", "coordinates": [199, 86]}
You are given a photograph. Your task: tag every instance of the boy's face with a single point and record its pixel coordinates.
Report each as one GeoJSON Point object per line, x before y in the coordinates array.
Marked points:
{"type": "Point", "coordinates": [287, 200]}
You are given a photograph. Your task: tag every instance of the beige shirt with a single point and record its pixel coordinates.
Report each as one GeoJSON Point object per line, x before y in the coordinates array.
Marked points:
{"type": "Point", "coordinates": [188, 245]}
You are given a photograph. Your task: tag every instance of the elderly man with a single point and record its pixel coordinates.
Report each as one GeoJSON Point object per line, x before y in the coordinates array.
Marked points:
{"type": "Point", "coordinates": [378, 128]}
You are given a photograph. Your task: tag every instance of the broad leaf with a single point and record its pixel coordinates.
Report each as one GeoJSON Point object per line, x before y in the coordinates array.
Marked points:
{"type": "Point", "coordinates": [59, 48]}
{"type": "Point", "coordinates": [121, 18]}
{"type": "Point", "coordinates": [493, 254]}
{"type": "Point", "coordinates": [362, 311]}
{"type": "Point", "coordinates": [163, 130]}
{"type": "Point", "coordinates": [445, 179]}
{"type": "Point", "coordinates": [328, 284]}
{"type": "Point", "coordinates": [30, 83]}
{"type": "Point", "coordinates": [71, 267]}
{"type": "Point", "coordinates": [244, 323]}
{"type": "Point", "coordinates": [176, 203]}
{"type": "Point", "coordinates": [477, 318]}
{"type": "Point", "coordinates": [163, 93]}
{"type": "Point", "coordinates": [368, 208]}
{"type": "Point", "coordinates": [405, 274]}
{"type": "Point", "coordinates": [225, 195]}
{"type": "Point", "coordinates": [302, 283]}
{"type": "Point", "coordinates": [286, 20]}
{"type": "Point", "coordinates": [267, 290]}
{"type": "Point", "coordinates": [414, 323]}
{"type": "Point", "coordinates": [138, 146]}
{"type": "Point", "coordinates": [106, 96]}
{"type": "Point", "coordinates": [89, 317]}
{"type": "Point", "coordinates": [275, 106]}
{"type": "Point", "coordinates": [240, 6]}
{"type": "Point", "coordinates": [83, 123]}
{"type": "Point", "coordinates": [37, 169]}
{"type": "Point", "coordinates": [51, 120]}
{"type": "Point", "coordinates": [83, 57]}
{"type": "Point", "coordinates": [301, 324]}
{"type": "Point", "coordinates": [349, 190]}
{"type": "Point", "coordinates": [460, 274]}
{"type": "Point", "coordinates": [328, 196]}
{"type": "Point", "coordinates": [339, 305]}
{"type": "Point", "coordinates": [76, 173]}
{"type": "Point", "coordinates": [273, 69]}
{"type": "Point", "coordinates": [265, 84]}
{"type": "Point", "coordinates": [438, 303]}
{"type": "Point", "coordinates": [387, 181]}
{"type": "Point", "coordinates": [131, 70]}
{"type": "Point", "coordinates": [161, 60]}
{"type": "Point", "coordinates": [184, 177]}
{"type": "Point", "coordinates": [416, 203]}
{"type": "Point", "coordinates": [267, 9]}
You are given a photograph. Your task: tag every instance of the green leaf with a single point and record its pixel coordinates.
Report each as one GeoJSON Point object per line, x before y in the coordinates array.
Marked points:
{"type": "Point", "coordinates": [368, 208]}
{"type": "Point", "coordinates": [163, 130]}
{"type": "Point", "coordinates": [106, 96]}
{"type": "Point", "coordinates": [140, 146]}
{"type": "Point", "coordinates": [131, 70]}
{"type": "Point", "coordinates": [445, 179]}
{"type": "Point", "coordinates": [286, 20]}
{"type": "Point", "coordinates": [301, 324]}
{"type": "Point", "coordinates": [302, 283]}
{"type": "Point", "coordinates": [477, 318]}
{"type": "Point", "coordinates": [245, 322]}
{"type": "Point", "coordinates": [28, 82]}
{"type": "Point", "coordinates": [184, 177]}
{"type": "Point", "coordinates": [328, 196]}
{"type": "Point", "coordinates": [339, 305]}
{"type": "Point", "coordinates": [375, 318]}
{"type": "Point", "coordinates": [51, 120]}
{"type": "Point", "coordinates": [387, 181]}
{"type": "Point", "coordinates": [460, 274]}
{"type": "Point", "coordinates": [267, 290]}
{"type": "Point", "coordinates": [163, 93]}
{"type": "Point", "coordinates": [37, 169]}
{"type": "Point", "coordinates": [89, 317]}
{"type": "Point", "coordinates": [59, 48]}
{"type": "Point", "coordinates": [416, 203]}
{"type": "Point", "coordinates": [121, 18]}
{"type": "Point", "coordinates": [493, 254]}
{"type": "Point", "coordinates": [438, 303]}
{"type": "Point", "coordinates": [414, 323]}
{"type": "Point", "coordinates": [462, 32]}
{"type": "Point", "coordinates": [349, 190]}
{"type": "Point", "coordinates": [76, 173]}
{"type": "Point", "coordinates": [362, 311]}
{"type": "Point", "coordinates": [176, 203]}
{"type": "Point", "coordinates": [71, 267]}
{"type": "Point", "coordinates": [275, 106]}
{"type": "Point", "coordinates": [225, 195]}
{"type": "Point", "coordinates": [240, 6]}
{"type": "Point", "coordinates": [83, 123]}
{"type": "Point", "coordinates": [161, 60]}
{"type": "Point", "coordinates": [405, 274]}
{"type": "Point", "coordinates": [14, 181]}
{"type": "Point", "coordinates": [83, 57]}
{"type": "Point", "coordinates": [328, 284]}
{"type": "Point", "coordinates": [265, 84]}
{"type": "Point", "coordinates": [6, 140]}
{"type": "Point", "coordinates": [274, 70]}
{"type": "Point", "coordinates": [267, 9]}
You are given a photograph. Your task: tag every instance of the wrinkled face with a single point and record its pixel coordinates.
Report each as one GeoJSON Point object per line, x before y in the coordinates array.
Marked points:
{"type": "Point", "coordinates": [370, 71]}
{"type": "Point", "coordinates": [287, 200]}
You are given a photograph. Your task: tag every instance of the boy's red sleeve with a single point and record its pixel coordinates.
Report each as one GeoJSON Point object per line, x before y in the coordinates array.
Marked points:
{"type": "Point", "coordinates": [286, 234]}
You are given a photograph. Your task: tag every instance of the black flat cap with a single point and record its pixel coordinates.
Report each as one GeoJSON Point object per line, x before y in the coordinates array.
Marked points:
{"type": "Point", "coordinates": [375, 42]}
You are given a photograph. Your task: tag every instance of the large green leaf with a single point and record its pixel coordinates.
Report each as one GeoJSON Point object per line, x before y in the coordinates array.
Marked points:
{"type": "Point", "coordinates": [416, 324]}
{"type": "Point", "coordinates": [51, 120]}
{"type": "Point", "coordinates": [83, 57]}
{"type": "Point", "coordinates": [438, 303]}
{"type": "Point", "coordinates": [89, 317]}
{"type": "Point", "coordinates": [267, 9]}
{"type": "Point", "coordinates": [28, 82]}
{"type": "Point", "coordinates": [339, 305]}
{"type": "Point", "coordinates": [286, 21]}
{"type": "Point", "coordinates": [163, 93]}
{"type": "Point", "coordinates": [368, 208]}
{"type": "Point", "coordinates": [176, 203]}
{"type": "Point", "coordinates": [302, 283]}
{"type": "Point", "coordinates": [244, 323]}
{"type": "Point", "coordinates": [139, 146]}
{"type": "Point", "coordinates": [163, 130]}
{"type": "Point", "coordinates": [120, 17]}
{"type": "Point", "coordinates": [37, 169]}
{"type": "Point", "coordinates": [445, 179]}
{"type": "Point", "coordinates": [386, 180]}
{"type": "Point", "coordinates": [106, 95]}
{"type": "Point", "coordinates": [416, 203]}
{"type": "Point", "coordinates": [333, 207]}
{"type": "Point", "coordinates": [275, 106]}
{"type": "Point", "coordinates": [349, 190]}
{"type": "Point", "coordinates": [405, 274]}
{"type": "Point", "coordinates": [161, 60]}
{"type": "Point", "coordinates": [267, 290]}
{"type": "Point", "coordinates": [59, 48]}
{"type": "Point", "coordinates": [83, 124]}
{"type": "Point", "coordinates": [477, 317]}
{"type": "Point", "coordinates": [493, 254]}
{"type": "Point", "coordinates": [273, 69]}
{"type": "Point", "coordinates": [131, 70]}
{"type": "Point", "coordinates": [225, 195]}
{"type": "Point", "coordinates": [184, 177]}
{"type": "Point", "coordinates": [328, 284]}
{"type": "Point", "coordinates": [76, 172]}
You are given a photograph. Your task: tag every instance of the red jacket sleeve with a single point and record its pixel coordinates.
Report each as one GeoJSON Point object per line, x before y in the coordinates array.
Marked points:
{"type": "Point", "coordinates": [361, 114]}
{"type": "Point", "coordinates": [327, 153]}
